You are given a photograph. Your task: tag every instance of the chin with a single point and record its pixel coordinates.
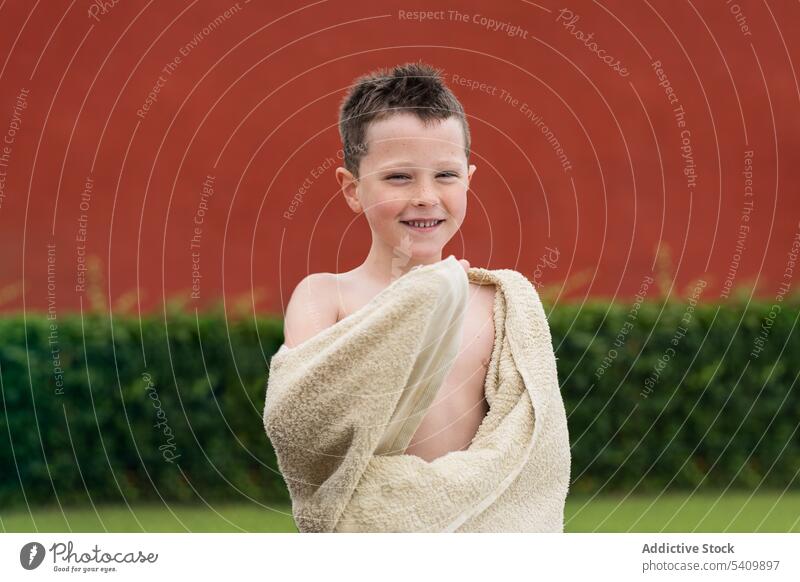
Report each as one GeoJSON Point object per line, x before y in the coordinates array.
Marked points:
{"type": "Point", "coordinates": [419, 247]}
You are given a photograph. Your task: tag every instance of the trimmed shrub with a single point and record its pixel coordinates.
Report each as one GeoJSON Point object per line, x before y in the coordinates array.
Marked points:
{"type": "Point", "coordinates": [170, 408]}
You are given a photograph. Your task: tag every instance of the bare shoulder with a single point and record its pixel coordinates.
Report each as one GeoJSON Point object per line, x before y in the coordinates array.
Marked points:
{"type": "Point", "coordinates": [311, 309]}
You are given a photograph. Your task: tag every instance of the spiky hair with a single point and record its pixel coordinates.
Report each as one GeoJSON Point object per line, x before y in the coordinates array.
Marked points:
{"type": "Point", "coordinates": [413, 87]}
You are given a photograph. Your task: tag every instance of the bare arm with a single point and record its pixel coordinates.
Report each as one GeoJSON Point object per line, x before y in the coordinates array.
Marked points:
{"type": "Point", "coordinates": [311, 309]}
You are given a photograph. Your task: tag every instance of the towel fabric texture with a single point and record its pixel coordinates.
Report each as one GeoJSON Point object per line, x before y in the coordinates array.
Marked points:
{"type": "Point", "coordinates": [341, 409]}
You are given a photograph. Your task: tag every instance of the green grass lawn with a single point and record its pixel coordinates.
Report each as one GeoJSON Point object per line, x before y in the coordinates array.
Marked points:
{"type": "Point", "coordinates": [706, 512]}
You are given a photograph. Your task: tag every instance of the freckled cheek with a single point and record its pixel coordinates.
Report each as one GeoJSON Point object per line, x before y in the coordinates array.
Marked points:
{"type": "Point", "coordinates": [384, 209]}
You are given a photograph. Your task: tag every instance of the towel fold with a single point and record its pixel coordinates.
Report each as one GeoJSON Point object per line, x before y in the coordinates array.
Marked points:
{"type": "Point", "coordinates": [342, 407]}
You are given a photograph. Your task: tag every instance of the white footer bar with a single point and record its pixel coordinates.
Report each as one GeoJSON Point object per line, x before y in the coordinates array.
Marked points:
{"type": "Point", "coordinates": [389, 557]}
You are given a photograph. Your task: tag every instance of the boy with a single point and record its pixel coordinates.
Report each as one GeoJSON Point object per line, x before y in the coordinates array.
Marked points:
{"type": "Point", "coordinates": [406, 167]}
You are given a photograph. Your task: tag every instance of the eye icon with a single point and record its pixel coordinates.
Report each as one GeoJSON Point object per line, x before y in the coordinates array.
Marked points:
{"type": "Point", "coordinates": [31, 555]}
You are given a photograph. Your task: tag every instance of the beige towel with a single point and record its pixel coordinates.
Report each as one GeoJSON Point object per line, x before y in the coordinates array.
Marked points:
{"type": "Point", "coordinates": [341, 409]}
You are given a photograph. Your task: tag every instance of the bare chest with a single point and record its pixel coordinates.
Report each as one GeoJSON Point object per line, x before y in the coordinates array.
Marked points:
{"type": "Point", "coordinates": [468, 374]}
{"type": "Point", "coordinates": [459, 406]}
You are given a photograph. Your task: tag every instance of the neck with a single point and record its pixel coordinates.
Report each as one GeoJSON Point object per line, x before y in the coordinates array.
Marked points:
{"type": "Point", "coordinates": [385, 263]}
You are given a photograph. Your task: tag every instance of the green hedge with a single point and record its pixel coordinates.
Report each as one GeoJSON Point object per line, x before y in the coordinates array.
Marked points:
{"type": "Point", "coordinates": [717, 415]}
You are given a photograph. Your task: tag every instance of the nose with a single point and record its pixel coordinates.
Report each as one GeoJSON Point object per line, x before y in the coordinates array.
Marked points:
{"type": "Point", "coordinates": [422, 202]}
{"type": "Point", "coordinates": [425, 197]}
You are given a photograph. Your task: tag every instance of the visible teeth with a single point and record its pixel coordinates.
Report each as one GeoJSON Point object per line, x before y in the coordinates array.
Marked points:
{"type": "Point", "coordinates": [423, 224]}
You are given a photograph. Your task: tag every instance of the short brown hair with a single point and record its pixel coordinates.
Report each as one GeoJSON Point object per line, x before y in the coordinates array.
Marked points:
{"type": "Point", "coordinates": [413, 87]}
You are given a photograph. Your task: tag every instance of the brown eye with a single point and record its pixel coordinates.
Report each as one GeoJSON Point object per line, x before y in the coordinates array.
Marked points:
{"type": "Point", "coordinates": [396, 177]}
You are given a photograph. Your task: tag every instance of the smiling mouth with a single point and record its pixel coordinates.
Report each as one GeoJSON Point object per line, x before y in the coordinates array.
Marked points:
{"type": "Point", "coordinates": [422, 225]}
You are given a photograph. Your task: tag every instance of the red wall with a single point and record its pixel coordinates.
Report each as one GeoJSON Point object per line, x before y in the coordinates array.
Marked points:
{"type": "Point", "coordinates": [254, 104]}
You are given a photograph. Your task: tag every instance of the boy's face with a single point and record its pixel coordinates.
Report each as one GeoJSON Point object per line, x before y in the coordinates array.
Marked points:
{"type": "Point", "coordinates": [411, 171]}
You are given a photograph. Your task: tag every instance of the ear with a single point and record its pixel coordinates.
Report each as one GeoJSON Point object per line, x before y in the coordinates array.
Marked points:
{"type": "Point", "coordinates": [472, 168]}
{"type": "Point", "coordinates": [349, 186]}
